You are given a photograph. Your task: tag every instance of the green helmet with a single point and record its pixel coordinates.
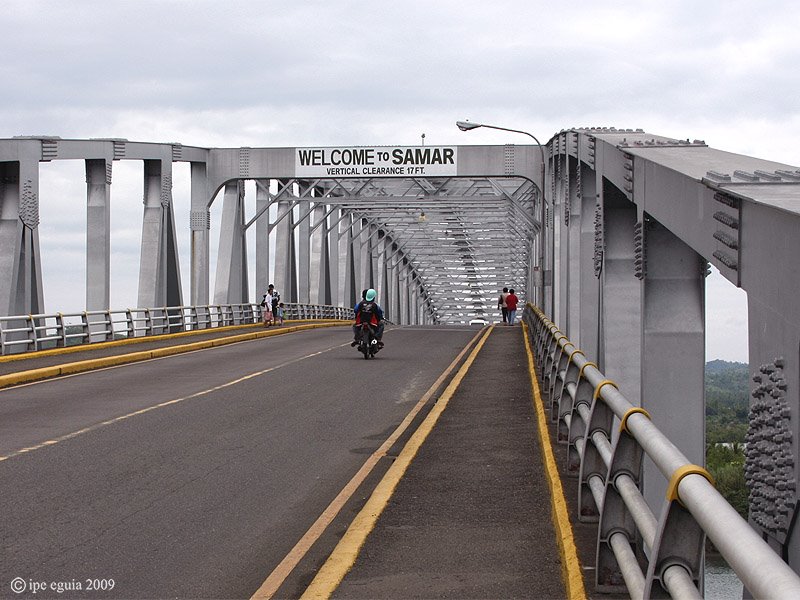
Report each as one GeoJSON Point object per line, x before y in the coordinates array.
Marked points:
{"type": "Point", "coordinates": [370, 295]}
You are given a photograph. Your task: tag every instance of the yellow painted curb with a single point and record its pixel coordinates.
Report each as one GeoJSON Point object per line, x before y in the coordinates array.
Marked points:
{"type": "Point", "coordinates": [122, 359]}
{"type": "Point", "coordinates": [570, 565]}
{"type": "Point", "coordinates": [140, 340]}
{"type": "Point", "coordinates": [346, 552]}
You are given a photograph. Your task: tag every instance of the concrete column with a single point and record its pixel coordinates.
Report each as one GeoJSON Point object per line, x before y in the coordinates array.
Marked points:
{"type": "Point", "coordinates": [231, 284]}
{"type": "Point", "coordinates": [673, 348]}
{"type": "Point", "coordinates": [200, 225]}
{"type": "Point", "coordinates": [262, 238]}
{"type": "Point", "coordinates": [159, 270]}
{"type": "Point", "coordinates": [98, 234]}
{"type": "Point", "coordinates": [21, 289]}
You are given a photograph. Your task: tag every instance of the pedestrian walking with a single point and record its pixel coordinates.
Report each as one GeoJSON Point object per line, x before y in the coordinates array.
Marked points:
{"type": "Point", "coordinates": [279, 315]}
{"type": "Point", "coordinates": [266, 307]}
{"type": "Point", "coordinates": [511, 304]}
{"type": "Point", "coordinates": [276, 299]}
{"type": "Point", "coordinates": [502, 305]}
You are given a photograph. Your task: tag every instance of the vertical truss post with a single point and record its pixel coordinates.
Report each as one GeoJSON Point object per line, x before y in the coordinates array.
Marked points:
{"type": "Point", "coordinates": [621, 296]}
{"type": "Point", "coordinates": [384, 287]}
{"type": "Point", "coordinates": [364, 257]}
{"type": "Point", "coordinates": [304, 245]}
{"type": "Point", "coordinates": [231, 283]}
{"type": "Point", "coordinates": [320, 292]}
{"type": "Point", "coordinates": [561, 233]}
{"type": "Point", "coordinates": [673, 347]}
{"type": "Point", "coordinates": [332, 237]}
{"type": "Point", "coordinates": [346, 283]}
{"type": "Point", "coordinates": [393, 277]}
{"type": "Point", "coordinates": [589, 298]}
{"type": "Point", "coordinates": [200, 225]}
{"type": "Point", "coordinates": [262, 237]}
{"type": "Point", "coordinates": [98, 233]}
{"type": "Point", "coordinates": [20, 259]}
{"type": "Point", "coordinates": [285, 265]}
{"type": "Point", "coordinates": [159, 270]}
{"type": "Point", "coordinates": [573, 219]}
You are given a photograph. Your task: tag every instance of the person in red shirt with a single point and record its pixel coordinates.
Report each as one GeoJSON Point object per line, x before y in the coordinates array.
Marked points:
{"type": "Point", "coordinates": [511, 304]}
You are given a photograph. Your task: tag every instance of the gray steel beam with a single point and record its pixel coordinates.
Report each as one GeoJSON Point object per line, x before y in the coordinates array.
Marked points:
{"type": "Point", "coordinates": [200, 225]}
{"type": "Point", "coordinates": [159, 270]}
{"type": "Point", "coordinates": [98, 234]}
{"type": "Point", "coordinates": [231, 283]}
{"type": "Point", "coordinates": [20, 261]}
{"type": "Point", "coordinates": [263, 202]}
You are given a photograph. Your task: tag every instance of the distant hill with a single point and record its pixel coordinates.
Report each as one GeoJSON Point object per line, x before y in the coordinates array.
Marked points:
{"type": "Point", "coordinates": [715, 366]}
{"type": "Point", "coordinates": [727, 401]}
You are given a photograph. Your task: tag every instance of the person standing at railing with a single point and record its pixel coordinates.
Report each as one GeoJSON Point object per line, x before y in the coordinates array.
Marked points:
{"type": "Point", "coordinates": [511, 304]}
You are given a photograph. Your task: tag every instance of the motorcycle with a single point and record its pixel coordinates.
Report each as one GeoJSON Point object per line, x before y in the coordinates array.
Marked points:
{"type": "Point", "coordinates": [368, 344]}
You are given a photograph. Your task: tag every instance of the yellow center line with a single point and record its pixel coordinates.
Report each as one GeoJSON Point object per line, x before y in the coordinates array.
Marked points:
{"type": "Point", "coordinates": [570, 565]}
{"type": "Point", "coordinates": [346, 552]}
{"type": "Point", "coordinates": [148, 409]}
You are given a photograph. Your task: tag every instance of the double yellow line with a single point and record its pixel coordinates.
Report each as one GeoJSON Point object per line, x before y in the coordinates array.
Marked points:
{"type": "Point", "coordinates": [131, 357]}
{"type": "Point", "coordinates": [344, 555]}
{"type": "Point", "coordinates": [346, 552]}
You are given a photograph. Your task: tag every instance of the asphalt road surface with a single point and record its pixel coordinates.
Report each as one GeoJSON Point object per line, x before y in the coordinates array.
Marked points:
{"type": "Point", "coordinates": [193, 476]}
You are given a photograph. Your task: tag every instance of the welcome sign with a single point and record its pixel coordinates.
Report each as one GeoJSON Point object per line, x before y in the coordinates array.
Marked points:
{"type": "Point", "coordinates": [376, 161]}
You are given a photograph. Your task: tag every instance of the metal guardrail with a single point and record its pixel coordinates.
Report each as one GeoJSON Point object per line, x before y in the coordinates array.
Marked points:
{"type": "Point", "coordinates": [585, 404]}
{"type": "Point", "coordinates": [30, 333]}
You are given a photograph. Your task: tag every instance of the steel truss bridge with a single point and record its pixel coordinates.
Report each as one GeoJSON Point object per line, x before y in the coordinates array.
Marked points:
{"type": "Point", "coordinates": [631, 222]}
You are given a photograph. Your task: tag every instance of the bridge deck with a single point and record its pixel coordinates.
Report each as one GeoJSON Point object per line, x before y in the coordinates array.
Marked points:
{"type": "Point", "coordinates": [471, 516]}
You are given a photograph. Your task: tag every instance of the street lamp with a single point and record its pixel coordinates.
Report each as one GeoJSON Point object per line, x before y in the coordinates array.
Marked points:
{"type": "Point", "coordinates": [468, 126]}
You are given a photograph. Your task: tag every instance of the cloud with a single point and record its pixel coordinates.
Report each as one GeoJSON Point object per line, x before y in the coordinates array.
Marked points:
{"type": "Point", "coordinates": [246, 73]}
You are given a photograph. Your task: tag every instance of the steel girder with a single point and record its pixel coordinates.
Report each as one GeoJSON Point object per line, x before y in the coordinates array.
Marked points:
{"type": "Point", "coordinates": [454, 242]}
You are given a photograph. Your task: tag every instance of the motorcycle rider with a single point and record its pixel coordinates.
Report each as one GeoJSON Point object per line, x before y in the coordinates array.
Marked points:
{"type": "Point", "coordinates": [368, 310]}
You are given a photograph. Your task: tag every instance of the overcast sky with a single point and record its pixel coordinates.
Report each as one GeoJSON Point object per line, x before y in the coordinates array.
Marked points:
{"type": "Point", "coordinates": [265, 73]}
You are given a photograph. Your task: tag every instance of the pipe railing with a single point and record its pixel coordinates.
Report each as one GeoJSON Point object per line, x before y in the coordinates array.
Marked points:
{"type": "Point", "coordinates": [31, 333]}
{"type": "Point", "coordinates": [585, 406]}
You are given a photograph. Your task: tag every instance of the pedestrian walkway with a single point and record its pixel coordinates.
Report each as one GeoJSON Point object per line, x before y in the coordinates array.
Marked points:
{"type": "Point", "coordinates": [471, 517]}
